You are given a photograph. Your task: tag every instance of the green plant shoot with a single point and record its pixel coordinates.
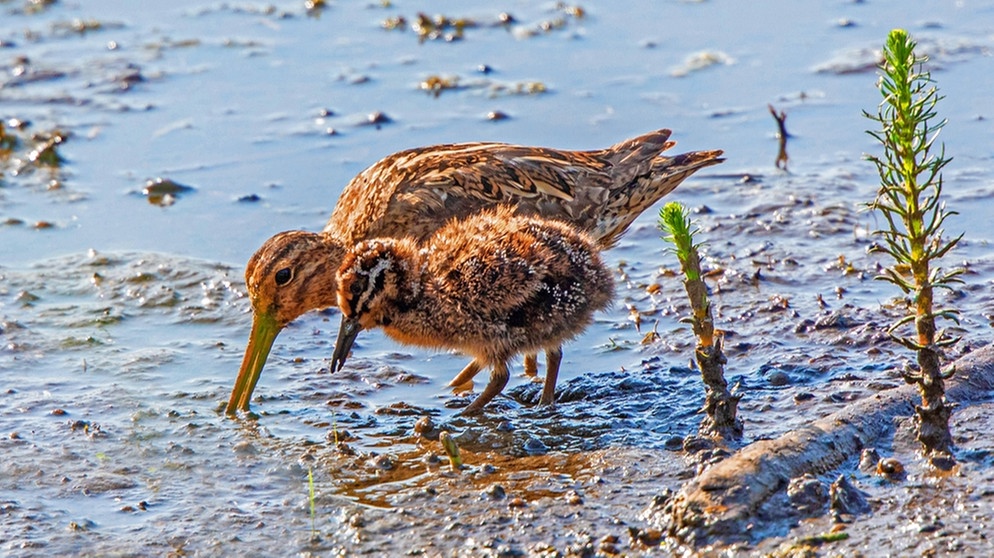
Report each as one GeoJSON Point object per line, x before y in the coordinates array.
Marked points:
{"type": "Point", "coordinates": [310, 496]}
{"type": "Point", "coordinates": [909, 199]}
{"type": "Point", "coordinates": [720, 405]}
{"type": "Point", "coordinates": [674, 220]}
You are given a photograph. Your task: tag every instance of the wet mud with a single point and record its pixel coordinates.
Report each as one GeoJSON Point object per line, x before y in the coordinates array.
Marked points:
{"type": "Point", "coordinates": [189, 133]}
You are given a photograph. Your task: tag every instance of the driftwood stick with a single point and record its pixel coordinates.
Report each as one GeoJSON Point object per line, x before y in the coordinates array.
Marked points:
{"type": "Point", "coordinates": [719, 505]}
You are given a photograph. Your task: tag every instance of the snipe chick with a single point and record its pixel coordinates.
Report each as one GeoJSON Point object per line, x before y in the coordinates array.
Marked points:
{"type": "Point", "coordinates": [413, 193]}
{"type": "Point", "coordinates": [493, 285]}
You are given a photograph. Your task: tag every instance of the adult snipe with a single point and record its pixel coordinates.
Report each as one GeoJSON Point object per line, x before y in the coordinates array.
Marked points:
{"type": "Point", "coordinates": [413, 193]}
{"type": "Point", "coordinates": [492, 285]}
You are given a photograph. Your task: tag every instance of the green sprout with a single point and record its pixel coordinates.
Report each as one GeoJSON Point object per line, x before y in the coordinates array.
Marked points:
{"type": "Point", "coordinates": [451, 450]}
{"type": "Point", "coordinates": [909, 200]}
{"type": "Point", "coordinates": [720, 405]}
{"type": "Point", "coordinates": [310, 498]}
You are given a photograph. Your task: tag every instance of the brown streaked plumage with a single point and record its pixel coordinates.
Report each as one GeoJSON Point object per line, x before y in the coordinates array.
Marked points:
{"type": "Point", "coordinates": [491, 285]}
{"type": "Point", "coordinates": [413, 193]}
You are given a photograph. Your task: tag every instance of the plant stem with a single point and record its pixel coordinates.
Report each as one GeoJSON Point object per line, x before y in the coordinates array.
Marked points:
{"type": "Point", "coordinates": [908, 171]}
{"type": "Point", "coordinates": [720, 405]}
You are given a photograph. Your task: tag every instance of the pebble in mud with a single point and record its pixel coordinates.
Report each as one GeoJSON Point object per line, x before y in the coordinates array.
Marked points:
{"type": "Point", "coordinates": [778, 378]}
{"type": "Point", "coordinates": [383, 462]}
{"type": "Point", "coordinates": [807, 493]}
{"type": "Point", "coordinates": [868, 460]}
{"type": "Point", "coordinates": [646, 537]}
{"type": "Point", "coordinates": [845, 500]}
{"type": "Point", "coordinates": [425, 427]}
{"type": "Point", "coordinates": [942, 462]}
{"type": "Point", "coordinates": [534, 446]}
{"type": "Point", "coordinates": [495, 492]}
{"type": "Point", "coordinates": [432, 461]}
{"type": "Point", "coordinates": [694, 444]}
{"type": "Point", "coordinates": [573, 498]}
{"type": "Point", "coordinates": [891, 469]}
{"type": "Point", "coordinates": [609, 545]}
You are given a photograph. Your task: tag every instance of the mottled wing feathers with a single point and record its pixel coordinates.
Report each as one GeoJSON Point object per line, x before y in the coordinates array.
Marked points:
{"type": "Point", "coordinates": [411, 193]}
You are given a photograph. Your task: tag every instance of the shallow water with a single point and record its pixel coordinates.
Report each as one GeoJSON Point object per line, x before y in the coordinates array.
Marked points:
{"type": "Point", "coordinates": [123, 321]}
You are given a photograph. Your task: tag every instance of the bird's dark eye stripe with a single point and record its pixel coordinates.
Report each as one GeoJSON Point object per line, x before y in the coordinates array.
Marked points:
{"type": "Point", "coordinates": [283, 276]}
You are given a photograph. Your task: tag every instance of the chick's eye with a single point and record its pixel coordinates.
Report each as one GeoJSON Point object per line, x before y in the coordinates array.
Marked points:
{"type": "Point", "coordinates": [355, 289]}
{"type": "Point", "coordinates": [283, 276]}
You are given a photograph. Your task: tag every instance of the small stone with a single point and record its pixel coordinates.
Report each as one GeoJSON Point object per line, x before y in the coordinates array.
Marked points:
{"type": "Point", "coordinates": [660, 500]}
{"type": "Point", "coordinates": [778, 378]}
{"type": "Point", "coordinates": [868, 460]}
{"type": "Point", "coordinates": [495, 492]}
{"type": "Point", "coordinates": [694, 444]}
{"type": "Point", "coordinates": [424, 426]}
{"type": "Point", "coordinates": [245, 448]}
{"type": "Point", "coordinates": [573, 498]}
{"type": "Point", "coordinates": [943, 462]}
{"type": "Point", "coordinates": [807, 493]}
{"type": "Point", "coordinates": [377, 118]}
{"type": "Point", "coordinates": [384, 462]}
{"type": "Point", "coordinates": [646, 537]}
{"type": "Point", "coordinates": [534, 446]}
{"type": "Point", "coordinates": [890, 468]}
{"type": "Point", "coordinates": [608, 544]}
{"type": "Point", "coordinates": [517, 502]}
{"type": "Point", "coordinates": [846, 499]}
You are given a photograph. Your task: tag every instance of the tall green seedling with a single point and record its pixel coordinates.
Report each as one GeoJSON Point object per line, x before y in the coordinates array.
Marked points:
{"type": "Point", "coordinates": [909, 199]}
{"type": "Point", "coordinates": [720, 405]}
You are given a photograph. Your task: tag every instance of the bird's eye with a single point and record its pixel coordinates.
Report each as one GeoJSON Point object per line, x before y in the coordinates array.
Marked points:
{"type": "Point", "coordinates": [355, 288]}
{"type": "Point", "coordinates": [283, 276]}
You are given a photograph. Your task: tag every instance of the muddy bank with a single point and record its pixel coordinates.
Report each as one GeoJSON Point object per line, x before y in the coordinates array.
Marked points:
{"type": "Point", "coordinates": [724, 504]}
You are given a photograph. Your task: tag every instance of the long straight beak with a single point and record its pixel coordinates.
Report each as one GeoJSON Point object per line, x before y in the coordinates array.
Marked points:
{"type": "Point", "coordinates": [347, 333]}
{"type": "Point", "coordinates": [264, 332]}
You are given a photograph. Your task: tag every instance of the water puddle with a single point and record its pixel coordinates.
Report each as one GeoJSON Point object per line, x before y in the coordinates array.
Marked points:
{"type": "Point", "coordinates": [156, 149]}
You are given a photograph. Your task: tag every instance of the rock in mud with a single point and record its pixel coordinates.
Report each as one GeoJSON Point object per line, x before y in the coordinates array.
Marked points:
{"type": "Point", "coordinates": [891, 468]}
{"type": "Point", "coordinates": [868, 460]}
{"type": "Point", "coordinates": [807, 494]}
{"type": "Point", "coordinates": [846, 500]}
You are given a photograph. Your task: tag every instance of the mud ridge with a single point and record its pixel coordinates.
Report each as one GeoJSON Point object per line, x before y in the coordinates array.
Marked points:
{"type": "Point", "coordinates": [720, 505]}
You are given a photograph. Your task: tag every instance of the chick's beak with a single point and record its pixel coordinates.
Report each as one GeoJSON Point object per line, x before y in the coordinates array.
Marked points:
{"type": "Point", "coordinates": [347, 333]}
{"type": "Point", "coordinates": [264, 332]}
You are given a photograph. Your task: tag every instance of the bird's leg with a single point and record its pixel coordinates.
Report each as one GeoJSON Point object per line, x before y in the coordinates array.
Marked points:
{"type": "Point", "coordinates": [552, 359]}
{"type": "Point", "coordinates": [531, 365]}
{"type": "Point", "coordinates": [467, 374]}
{"type": "Point", "coordinates": [498, 379]}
